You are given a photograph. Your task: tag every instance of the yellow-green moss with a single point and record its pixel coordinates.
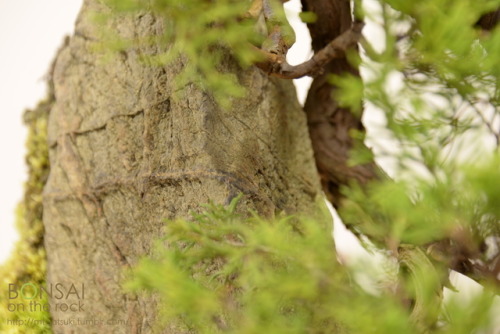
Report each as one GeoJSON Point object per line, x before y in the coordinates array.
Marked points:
{"type": "Point", "coordinates": [27, 263]}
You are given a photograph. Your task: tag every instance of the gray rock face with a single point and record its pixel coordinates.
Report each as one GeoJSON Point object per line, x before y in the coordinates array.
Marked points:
{"type": "Point", "coordinates": [127, 153]}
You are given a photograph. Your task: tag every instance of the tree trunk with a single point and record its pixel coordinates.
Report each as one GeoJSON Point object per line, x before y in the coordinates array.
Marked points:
{"type": "Point", "coordinates": [126, 154]}
{"type": "Point", "coordinates": [331, 125]}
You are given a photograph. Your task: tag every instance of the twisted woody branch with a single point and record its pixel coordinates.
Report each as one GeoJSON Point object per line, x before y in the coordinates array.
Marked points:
{"type": "Point", "coordinates": [276, 64]}
{"type": "Point", "coordinates": [333, 34]}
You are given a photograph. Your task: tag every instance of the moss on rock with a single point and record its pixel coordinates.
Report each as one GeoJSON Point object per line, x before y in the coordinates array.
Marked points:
{"type": "Point", "coordinates": [27, 263]}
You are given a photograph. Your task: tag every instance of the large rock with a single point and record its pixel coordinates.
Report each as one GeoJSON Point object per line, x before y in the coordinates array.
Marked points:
{"type": "Point", "coordinates": [127, 153]}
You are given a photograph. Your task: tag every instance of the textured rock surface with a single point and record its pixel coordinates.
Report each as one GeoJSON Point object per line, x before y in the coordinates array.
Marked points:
{"type": "Point", "coordinates": [126, 154]}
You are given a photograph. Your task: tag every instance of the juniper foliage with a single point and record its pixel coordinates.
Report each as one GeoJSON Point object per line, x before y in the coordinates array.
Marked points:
{"type": "Point", "coordinates": [434, 83]}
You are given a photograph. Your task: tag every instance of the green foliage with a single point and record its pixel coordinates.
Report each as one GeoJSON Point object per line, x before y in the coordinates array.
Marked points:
{"type": "Point", "coordinates": [27, 263]}
{"type": "Point", "coordinates": [436, 79]}
{"type": "Point", "coordinates": [420, 212]}
{"type": "Point", "coordinates": [226, 273]}
{"type": "Point", "coordinates": [308, 17]}
{"type": "Point", "coordinates": [435, 84]}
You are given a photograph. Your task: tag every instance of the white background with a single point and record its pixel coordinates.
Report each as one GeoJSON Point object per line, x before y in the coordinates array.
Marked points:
{"type": "Point", "coordinates": [30, 33]}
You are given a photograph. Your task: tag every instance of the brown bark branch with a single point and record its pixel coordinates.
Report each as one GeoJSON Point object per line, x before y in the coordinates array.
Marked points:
{"type": "Point", "coordinates": [489, 20]}
{"type": "Point", "coordinates": [276, 65]}
{"type": "Point", "coordinates": [330, 125]}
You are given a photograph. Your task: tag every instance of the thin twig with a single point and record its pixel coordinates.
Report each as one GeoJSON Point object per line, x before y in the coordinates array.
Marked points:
{"type": "Point", "coordinates": [488, 125]}
{"type": "Point", "coordinates": [276, 65]}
